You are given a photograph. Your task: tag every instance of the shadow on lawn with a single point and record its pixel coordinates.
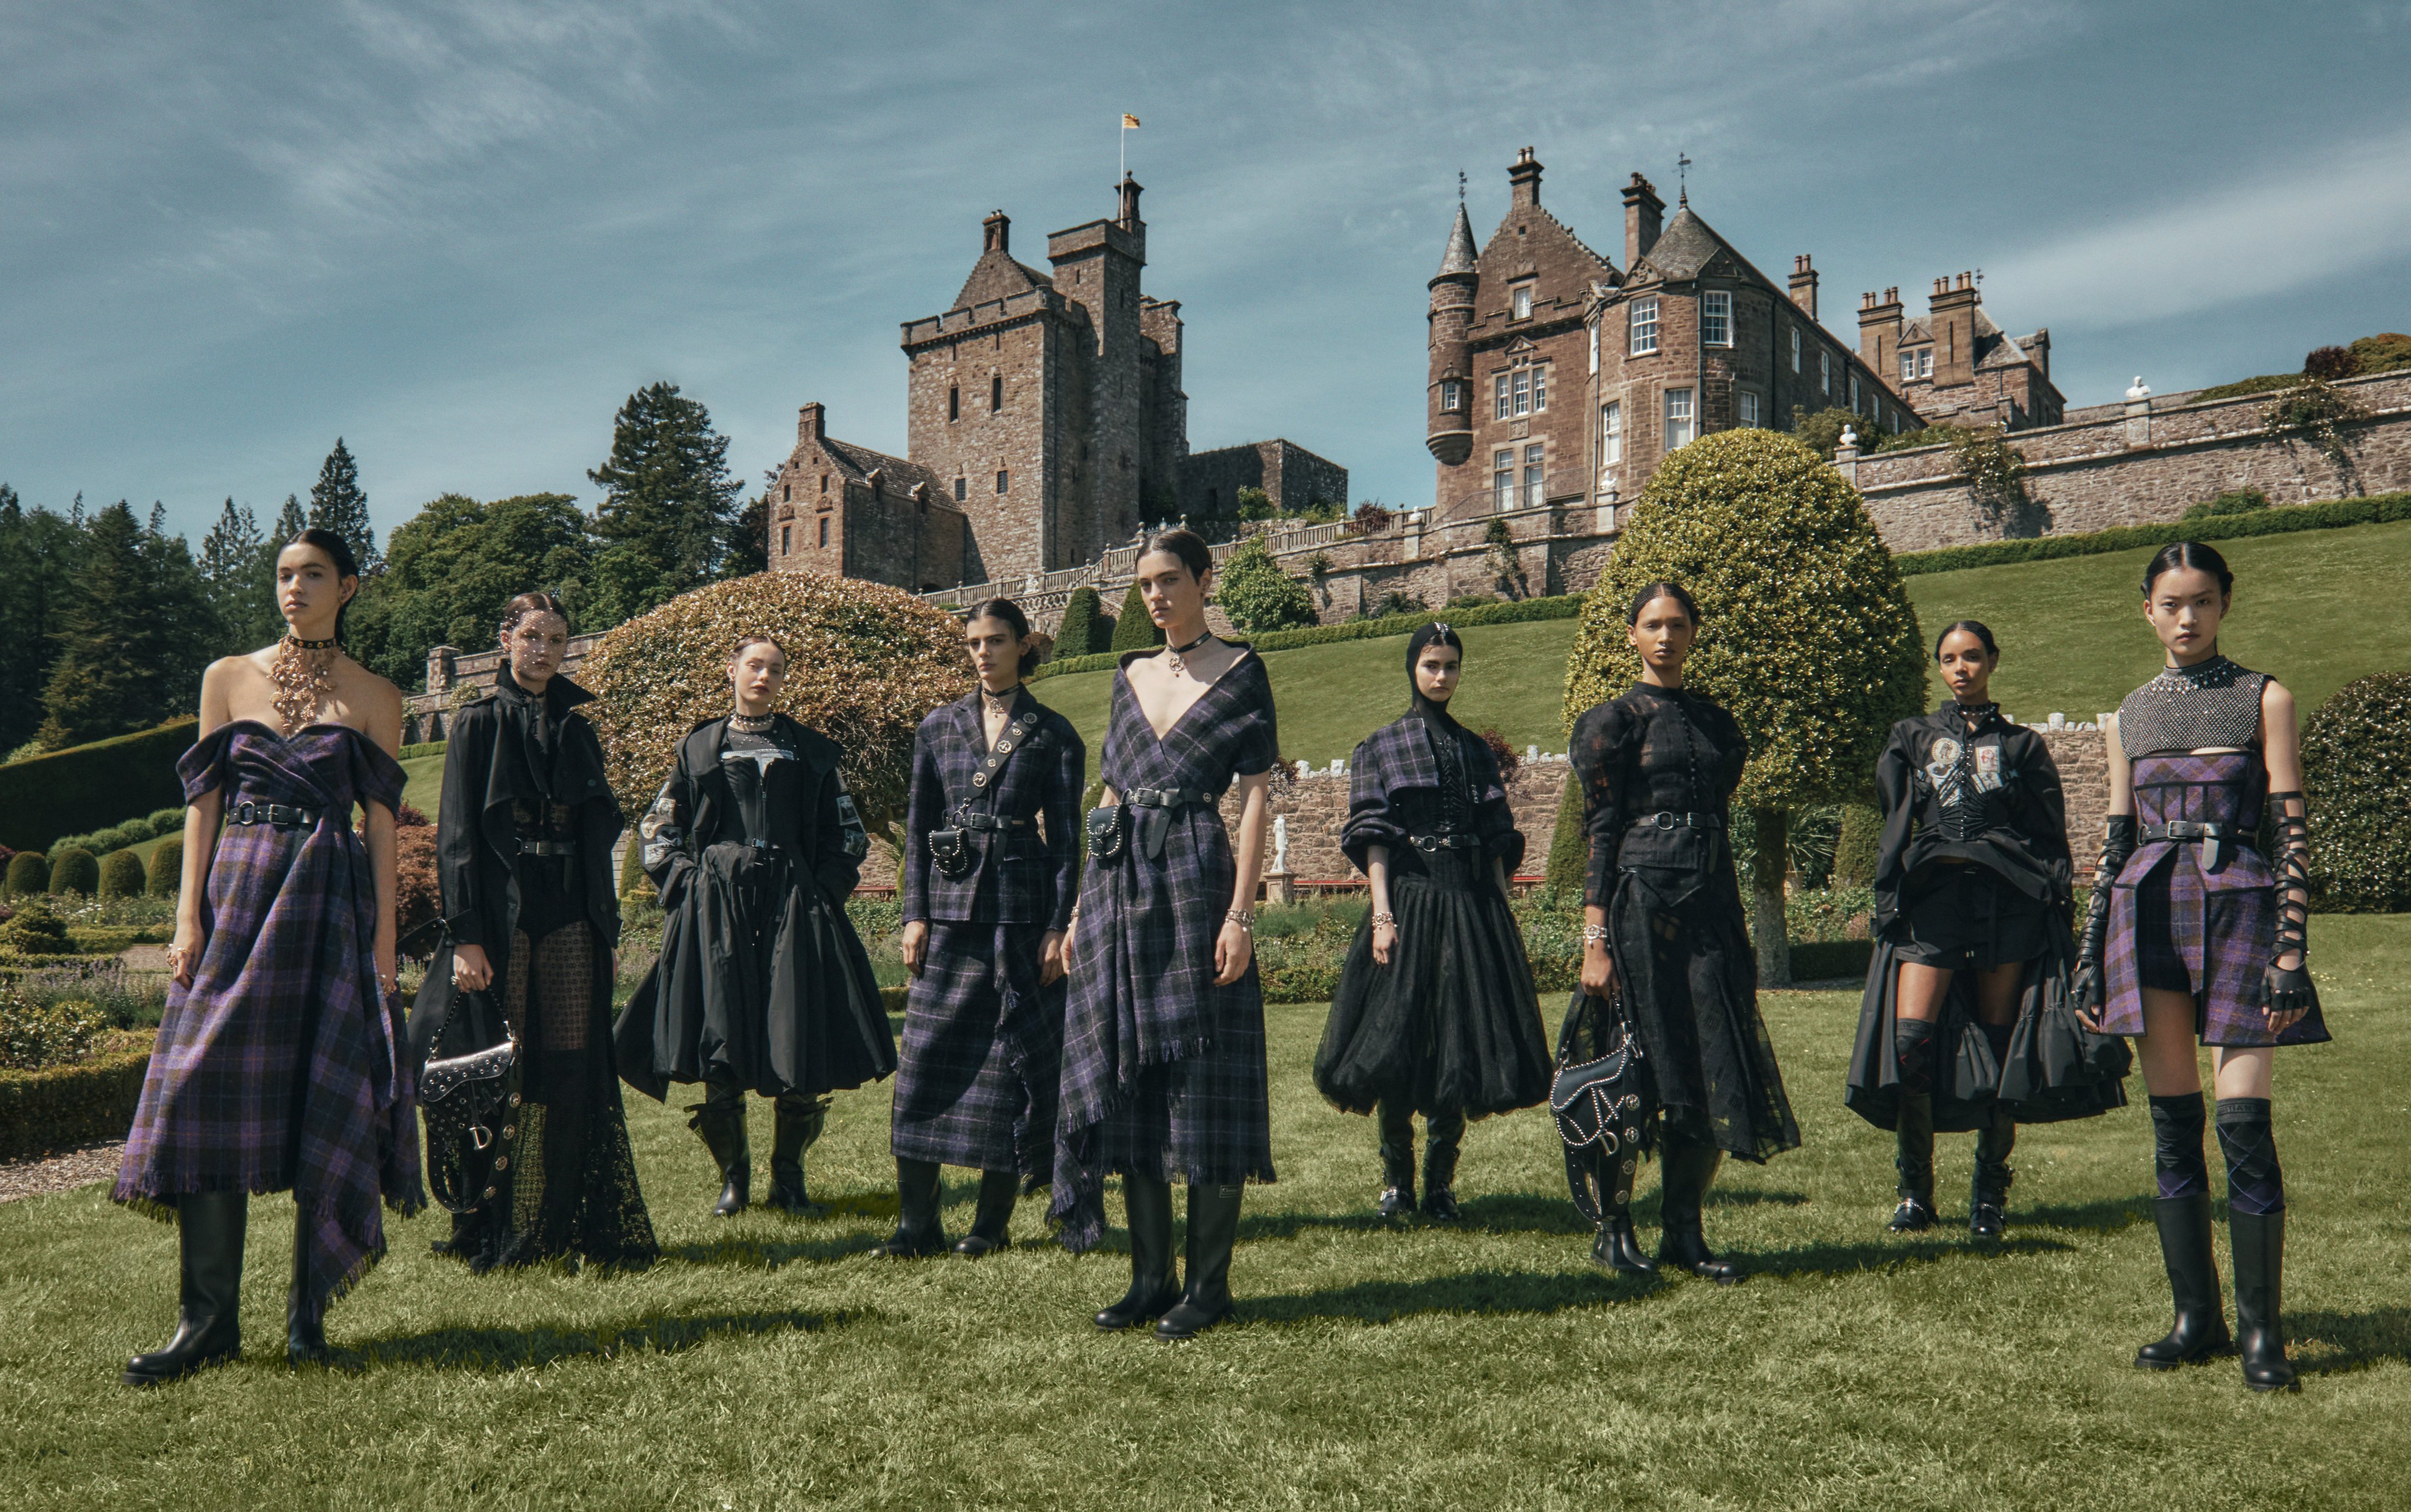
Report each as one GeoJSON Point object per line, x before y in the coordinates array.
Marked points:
{"type": "Point", "coordinates": [1882, 1255]}
{"type": "Point", "coordinates": [2330, 1344]}
{"type": "Point", "coordinates": [1498, 1212]}
{"type": "Point", "coordinates": [1471, 1293]}
{"type": "Point", "coordinates": [2105, 1216]}
{"type": "Point", "coordinates": [512, 1349]}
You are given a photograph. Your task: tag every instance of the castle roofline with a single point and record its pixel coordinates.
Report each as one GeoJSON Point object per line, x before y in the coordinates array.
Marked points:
{"type": "Point", "coordinates": [1460, 258]}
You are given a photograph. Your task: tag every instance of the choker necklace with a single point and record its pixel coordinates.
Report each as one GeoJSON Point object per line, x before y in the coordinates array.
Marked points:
{"type": "Point", "coordinates": [309, 645]}
{"type": "Point", "coordinates": [303, 673]}
{"type": "Point", "coordinates": [1178, 652]}
{"type": "Point", "coordinates": [751, 723]}
{"type": "Point", "coordinates": [1006, 697]}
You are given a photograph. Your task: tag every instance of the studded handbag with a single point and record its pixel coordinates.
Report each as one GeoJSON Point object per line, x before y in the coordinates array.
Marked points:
{"type": "Point", "coordinates": [1602, 1107]}
{"type": "Point", "coordinates": [468, 1084]}
{"type": "Point", "coordinates": [1109, 830]}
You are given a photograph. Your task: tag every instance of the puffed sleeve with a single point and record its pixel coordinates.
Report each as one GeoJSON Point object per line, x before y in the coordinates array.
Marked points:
{"type": "Point", "coordinates": [203, 767]}
{"type": "Point", "coordinates": [1061, 813]}
{"type": "Point", "coordinates": [2042, 812]}
{"type": "Point", "coordinates": [1598, 752]}
{"type": "Point", "coordinates": [840, 840]}
{"type": "Point", "coordinates": [925, 801]}
{"type": "Point", "coordinates": [1259, 733]}
{"type": "Point", "coordinates": [1371, 820]}
{"type": "Point", "coordinates": [1494, 817]}
{"type": "Point", "coordinates": [1894, 771]}
{"type": "Point", "coordinates": [376, 776]}
{"type": "Point", "coordinates": [457, 826]}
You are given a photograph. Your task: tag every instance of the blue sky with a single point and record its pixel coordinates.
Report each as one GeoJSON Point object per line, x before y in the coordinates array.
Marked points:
{"type": "Point", "coordinates": [460, 234]}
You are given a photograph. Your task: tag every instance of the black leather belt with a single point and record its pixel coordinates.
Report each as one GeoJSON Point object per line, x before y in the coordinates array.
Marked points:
{"type": "Point", "coordinates": [760, 845]}
{"type": "Point", "coordinates": [279, 815]}
{"type": "Point", "coordinates": [2214, 838]}
{"type": "Point", "coordinates": [548, 847]}
{"type": "Point", "coordinates": [1430, 843]}
{"type": "Point", "coordinates": [990, 822]}
{"type": "Point", "coordinates": [1165, 798]}
{"type": "Point", "coordinates": [1667, 819]}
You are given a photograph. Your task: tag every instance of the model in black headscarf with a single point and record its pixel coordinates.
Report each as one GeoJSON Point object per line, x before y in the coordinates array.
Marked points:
{"type": "Point", "coordinates": [1435, 1012]}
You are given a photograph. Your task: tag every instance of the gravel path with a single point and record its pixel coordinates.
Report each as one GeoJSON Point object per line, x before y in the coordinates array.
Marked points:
{"type": "Point", "coordinates": [64, 1172]}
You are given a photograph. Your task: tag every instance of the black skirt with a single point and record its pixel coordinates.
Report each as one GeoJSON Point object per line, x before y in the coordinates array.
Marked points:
{"type": "Point", "coordinates": [1452, 1022]}
{"type": "Point", "coordinates": [1971, 919]}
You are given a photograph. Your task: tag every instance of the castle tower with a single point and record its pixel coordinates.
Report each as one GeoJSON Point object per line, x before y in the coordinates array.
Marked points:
{"type": "Point", "coordinates": [1097, 269]}
{"type": "Point", "coordinates": [1449, 435]}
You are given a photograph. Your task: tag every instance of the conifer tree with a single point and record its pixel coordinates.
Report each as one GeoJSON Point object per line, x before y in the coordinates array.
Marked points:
{"type": "Point", "coordinates": [112, 650]}
{"type": "Point", "coordinates": [337, 504]}
{"type": "Point", "coordinates": [1133, 629]}
{"type": "Point", "coordinates": [230, 568]}
{"type": "Point", "coordinates": [668, 501]}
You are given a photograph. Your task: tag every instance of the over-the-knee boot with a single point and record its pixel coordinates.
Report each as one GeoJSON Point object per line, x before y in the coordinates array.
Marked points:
{"type": "Point", "coordinates": [1397, 1125]}
{"type": "Point", "coordinates": [720, 1119]}
{"type": "Point", "coordinates": [799, 1118]}
{"type": "Point", "coordinates": [1444, 1134]}
{"type": "Point", "coordinates": [2200, 1330]}
{"type": "Point", "coordinates": [1213, 1229]}
{"type": "Point", "coordinates": [1686, 1167]}
{"type": "Point", "coordinates": [991, 1221]}
{"type": "Point", "coordinates": [1988, 1191]}
{"type": "Point", "coordinates": [918, 1229]}
{"type": "Point", "coordinates": [305, 1309]}
{"type": "Point", "coordinates": [209, 1302]}
{"type": "Point", "coordinates": [1914, 1127]}
{"type": "Point", "coordinates": [1155, 1279]}
{"type": "Point", "coordinates": [2255, 1233]}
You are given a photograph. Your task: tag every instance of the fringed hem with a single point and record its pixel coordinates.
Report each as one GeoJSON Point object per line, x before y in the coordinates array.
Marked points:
{"type": "Point", "coordinates": [160, 1206]}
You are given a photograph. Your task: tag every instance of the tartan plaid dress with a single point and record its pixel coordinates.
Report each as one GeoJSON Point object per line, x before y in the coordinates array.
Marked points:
{"type": "Point", "coordinates": [278, 1067]}
{"type": "Point", "coordinates": [1163, 1072]}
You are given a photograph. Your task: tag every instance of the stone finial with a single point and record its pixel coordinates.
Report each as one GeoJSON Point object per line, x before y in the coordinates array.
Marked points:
{"type": "Point", "coordinates": [2139, 390]}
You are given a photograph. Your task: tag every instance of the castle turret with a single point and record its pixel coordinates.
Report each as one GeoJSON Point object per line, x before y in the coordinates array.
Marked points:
{"type": "Point", "coordinates": [1449, 434]}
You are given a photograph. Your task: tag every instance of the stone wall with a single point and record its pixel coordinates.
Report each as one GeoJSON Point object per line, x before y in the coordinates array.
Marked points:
{"type": "Point", "coordinates": [1291, 478]}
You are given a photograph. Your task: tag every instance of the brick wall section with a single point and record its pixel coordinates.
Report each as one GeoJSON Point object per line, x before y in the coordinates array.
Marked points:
{"type": "Point", "coordinates": [1291, 478]}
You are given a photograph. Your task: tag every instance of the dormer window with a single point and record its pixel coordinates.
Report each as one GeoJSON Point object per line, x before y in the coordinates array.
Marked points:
{"type": "Point", "coordinates": [1521, 302]}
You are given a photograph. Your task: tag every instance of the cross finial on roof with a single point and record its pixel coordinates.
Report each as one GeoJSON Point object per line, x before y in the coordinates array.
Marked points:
{"type": "Point", "coordinates": [1683, 180]}
{"type": "Point", "coordinates": [1460, 186]}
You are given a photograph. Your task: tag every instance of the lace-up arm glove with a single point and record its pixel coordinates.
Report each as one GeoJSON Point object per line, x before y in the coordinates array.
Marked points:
{"type": "Point", "coordinates": [2117, 845]}
{"type": "Point", "coordinates": [2288, 989]}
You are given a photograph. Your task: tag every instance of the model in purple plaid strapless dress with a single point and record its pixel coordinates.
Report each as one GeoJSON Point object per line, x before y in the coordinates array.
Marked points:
{"type": "Point", "coordinates": [278, 1068]}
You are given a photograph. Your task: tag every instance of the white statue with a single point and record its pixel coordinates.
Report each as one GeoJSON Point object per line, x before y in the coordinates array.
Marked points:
{"type": "Point", "coordinates": [1281, 842]}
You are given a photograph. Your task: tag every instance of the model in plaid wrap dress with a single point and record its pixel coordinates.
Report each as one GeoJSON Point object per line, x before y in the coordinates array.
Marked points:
{"type": "Point", "coordinates": [983, 1051]}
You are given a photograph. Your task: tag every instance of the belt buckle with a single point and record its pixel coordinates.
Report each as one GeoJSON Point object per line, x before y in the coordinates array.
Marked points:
{"type": "Point", "coordinates": [1665, 819]}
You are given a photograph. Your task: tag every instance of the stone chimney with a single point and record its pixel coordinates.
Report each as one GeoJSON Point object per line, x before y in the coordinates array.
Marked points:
{"type": "Point", "coordinates": [1130, 190]}
{"type": "Point", "coordinates": [1880, 333]}
{"type": "Point", "coordinates": [1643, 213]}
{"type": "Point", "coordinates": [811, 423]}
{"type": "Point", "coordinates": [996, 232]}
{"type": "Point", "coordinates": [1953, 319]}
{"type": "Point", "coordinates": [1804, 284]}
{"type": "Point", "coordinates": [1524, 180]}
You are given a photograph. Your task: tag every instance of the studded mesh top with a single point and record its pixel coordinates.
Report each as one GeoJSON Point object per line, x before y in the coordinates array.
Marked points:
{"type": "Point", "coordinates": [2210, 705]}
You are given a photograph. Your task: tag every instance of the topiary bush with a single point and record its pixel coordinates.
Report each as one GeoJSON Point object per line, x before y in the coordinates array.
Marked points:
{"type": "Point", "coordinates": [121, 875]}
{"type": "Point", "coordinates": [1568, 847]}
{"type": "Point", "coordinates": [33, 930]}
{"type": "Point", "coordinates": [163, 820]}
{"type": "Point", "coordinates": [36, 1034]}
{"type": "Point", "coordinates": [2356, 779]}
{"type": "Point", "coordinates": [74, 870]}
{"type": "Point", "coordinates": [1085, 628]}
{"type": "Point", "coordinates": [1257, 595]}
{"type": "Point", "coordinates": [865, 663]}
{"type": "Point", "coordinates": [166, 877]}
{"type": "Point", "coordinates": [29, 874]}
{"type": "Point", "coordinates": [1855, 848]}
{"type": "Point", "coordinates": [1133, 629]}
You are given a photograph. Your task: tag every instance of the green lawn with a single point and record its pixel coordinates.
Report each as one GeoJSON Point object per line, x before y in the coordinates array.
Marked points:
{"type": "Point", "coordinates": [768, 1362]}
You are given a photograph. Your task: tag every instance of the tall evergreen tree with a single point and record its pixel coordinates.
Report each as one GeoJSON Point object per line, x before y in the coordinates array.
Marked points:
{"type": "Point", "coordinates": [668, 499]}
{"type": "Point", "coordinates": [230, 568]}
{"type": "Point", "coordinates": [40, 552]}
{"type": "Point", "coordinates": [337, 504]}
{"type": "Point", "coordinates": [113, 650]}
{"type": "Point", "coordinates": [189, 633]}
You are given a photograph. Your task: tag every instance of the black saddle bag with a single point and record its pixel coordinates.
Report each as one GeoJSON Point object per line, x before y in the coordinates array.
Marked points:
{"type": "Point", "coordinates": [468, 1082]}
{"type": "Point", "coordinates": [950, 851]}
{"type": "Point", "coordinates": [1108, 827]}
{"type": "Point", "coordinates": [1603, 1106]}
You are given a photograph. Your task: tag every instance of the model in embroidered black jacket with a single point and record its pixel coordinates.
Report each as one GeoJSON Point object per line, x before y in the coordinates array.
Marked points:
{"type": "Point", "coordinates": [761, 982]}
{"type": "Point", "coordinates": [1435, 1011]}
{"type": "Point", "coordinates": [990, 855]}
{"type": "Point", "coordinates": [1966, 1022]}
{"type": "Point", "coordinates": [523, 861]}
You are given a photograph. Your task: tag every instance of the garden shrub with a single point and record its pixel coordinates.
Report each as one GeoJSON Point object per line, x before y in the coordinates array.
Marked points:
{"type": "Point", "coordinates": [2356, 779]}
{"type": "Point", "coordinates": [34, 930]}
{"type": "Point", "coordinates": [1133, 629]}
{"type": "Point", "coordinates": [1568, 847]}
{"type": "Point", "coordinates": [69, 1105]}
{"type": "Point", "coordinates": [1821, 432]}
{"type": "Point", "coordinates": [2242, 501]}
{"type": "Point", "coordinates": [37, 1034]}
{"type": "Point", "coordinates": [2329, 363]}
{"type": "Point", "coordinates": [1560, 607]}
{"type": "Point", "coordinates": [166, 877]}
{"type": "Point", "coordinates": [121, 875]}
{"type": "Point", "coordinates": [2385, 352]}
{"type": "Point", "coordinates": [2267, 383]}
{"type": "Point", "coordinates": [1855, 848]}
{"type": "Point", "coordinates": [29, 874]}
{"type": "Point", "coordinates": [84, 786]}
{"type": "Point", "coordinates": [163, 820]}
{"type": "Point", "coordinates": [1085, 628]}
{"type": "Point", "coordinates": [1257, 595]}
{"type": "Point", "coordinates": [74, 870]}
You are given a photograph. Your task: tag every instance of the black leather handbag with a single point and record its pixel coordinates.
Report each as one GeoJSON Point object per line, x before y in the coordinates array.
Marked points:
{"type": "Point", "coordinates": [1602, 1107]}
{"type": "Point", "coordinates": [468, 1082]}
{"type": "Point", "coordinates": [1108, 827]}
{"type": "Point", "coordinates": [950, 851]}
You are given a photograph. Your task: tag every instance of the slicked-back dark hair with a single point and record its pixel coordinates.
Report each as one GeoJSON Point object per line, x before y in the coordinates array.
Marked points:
{"type": "Point", "coordinates": [1974, 627]}
{"type": "Point", "coordinates": [1656, 590]}
{"type": "Point", "coordinates": [1187, 545]}
{"type": "Point", "coordinates": [1010, 612]}
{"type": "Point", "coordinates": [339, 551]}
{"type": "Point", "coordinates": [2189, 556]}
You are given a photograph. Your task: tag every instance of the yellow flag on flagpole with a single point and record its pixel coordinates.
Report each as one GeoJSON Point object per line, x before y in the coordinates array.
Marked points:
{"type": "Point", "coordinates": [1130, 122]}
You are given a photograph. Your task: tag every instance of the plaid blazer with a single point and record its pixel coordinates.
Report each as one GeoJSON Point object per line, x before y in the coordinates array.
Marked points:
{"type": "Point", "coordinates": [1394, 793]}
{"type": "Point", "coordinates": [1023, 876]}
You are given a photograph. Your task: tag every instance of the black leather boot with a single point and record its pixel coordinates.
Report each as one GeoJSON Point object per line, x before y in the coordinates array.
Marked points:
{"type": "Point", "coordinates": [1686, 1168]}
{"type": "Point", "coordinates": [1397, 1125]}
{"type": "Point", "coordinates": [1915, 1163]}
{"type": "Point", "coordinates": [2259, 1241]}
{"type": "Point", "coordinates": [992, 1220]}
{"type": "Point", "coordinates": [1213, 1229]}
{"type": "Point", "coordinates": [1155, 1282]}
{"type": "Point", "coordinates": [1988, 1191]}
{"type": "Point", "coordinates": [209, 1302]}
{"type": "Point", "coordinates": [919, 1231]}
{"type": "Point", "coordinates": [1443, 1133]}
{"type": "Point", "coordinates": [720, 1119]}
{"type": "Point", "coordinates": [800, 1118]}
{"type": "Point", "coordinates": [2200, 1331]}
{"type": "Point", "coordinates": [305, 1312]}
{"type": "Point", "coordinates": [1616, 1247]}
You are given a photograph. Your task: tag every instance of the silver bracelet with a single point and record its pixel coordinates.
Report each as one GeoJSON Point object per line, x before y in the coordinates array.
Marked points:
{"type": "Point", "coordinates": [1386, 918]}
{"type": "Point", "coordinates": [1242, 917]}
{"type": "Point", "coordinates": [1594, 934]}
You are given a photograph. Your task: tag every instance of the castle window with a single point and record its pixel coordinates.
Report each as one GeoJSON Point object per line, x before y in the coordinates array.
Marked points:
{"type": "Point", "coordinates": [1610, 433]}
{"type": "Point", "coordinates": [1594, 348]}
{"type": "Point", "coordinates": [1522, 302]}
{"type": "Point", "coordinates": [1908, 366]}
{"type": "Point", "coordinates": [1452, 394]}
{"type": "Point", "coordinates": [1716, 319]}
{"type": "Point", "coordinates": [1854, 390]}
{"type": "Point", "coordinates": [1505, 397]}
{"type": "Point", "coordinates": [1502, 480]}
{"type": "Point", "coordinates": [1925, 362]}
{"type": "Point", "coordinates": [786, 539]}
{"type": "Point", "coordinates": [1540, 389]}
{"type": "Point", "coordinates": [1795, 348]}
{"type": "Point", "coordinates": [1749, 409]}
{"type": "Point", "coordinates": [955, 402]}
{"type": "Point", "coordinates": [1536, 477]}
{"type": "Point", "coordinates": [1678, 419]}
{"type": "Point", "coordinates": [825, 482]}
{"type": "Point", "coordinates": [1643, 318]}
{"type": "Point", "coordinates": [825, 531]}
{"type": "Point", "coordinates": [961, 488]}
{"type": "Point", "coordinates": [786, 493]}
{"type": "Point", "coordinates": [1001, 479]}
{"type": "Point", "coordinates": [995, 398]}
{"type": "Point", "coordinates": [1825, 370]}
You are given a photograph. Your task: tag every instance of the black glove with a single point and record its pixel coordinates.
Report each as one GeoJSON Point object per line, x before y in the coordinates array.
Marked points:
{"type": "Point", "coordinates": [2089, 984]}
{"type": "Point", "coordinates": [2288, 989]}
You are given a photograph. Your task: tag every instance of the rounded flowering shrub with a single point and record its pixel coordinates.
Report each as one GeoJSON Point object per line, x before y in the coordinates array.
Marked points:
{"type": "Point", "coordinates": [2357, 781]}
{"type": "Point", "coordinates": [864, 663]}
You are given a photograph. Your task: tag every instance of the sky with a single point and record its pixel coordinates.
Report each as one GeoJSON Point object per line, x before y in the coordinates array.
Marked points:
{"type": "Point", "coordinates": [459, 235]}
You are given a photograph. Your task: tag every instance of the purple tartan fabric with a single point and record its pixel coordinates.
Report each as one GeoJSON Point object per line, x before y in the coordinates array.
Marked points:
{"type": "Point", "coordinates": [1163, 1072]}
{"type": "Point", "coordinates": [1399, 760]}
{"type": "Point", "coordinates": [2222, 923]}
{"type": "Point", "coordinates": [983, 1053]}
{"type": "Point", "coordinates": [278, 1067]}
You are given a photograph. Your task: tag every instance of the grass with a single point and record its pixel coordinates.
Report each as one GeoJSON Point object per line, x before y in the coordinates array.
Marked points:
{"type": "Point", "coordinates": [768, 1362]}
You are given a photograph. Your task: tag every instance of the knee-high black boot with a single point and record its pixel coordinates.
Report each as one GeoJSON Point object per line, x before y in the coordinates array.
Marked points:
{"type": "Point", "coordinates": [1914, 1129]}
{"type": "Point", "coordinates": [1213, 1229]}
{"type": "Point", "coordinates": [209, 1303]}
{"type": "Point", "coordinates": [991, 1222]}
{"type": "Point", "coordinates": [2255, 1232]}
{"type": "Point", "coordinates": [1686, 1168]}
{"type": "Point", "coordinates": [1397, 1125]}
{"type": "Point", "coordinates": [1155, 1279]}
{"type": "Point", "coordinates": [800, 1118]}
{"type": "Point", "coordinates": [1444, 1134]}
{"type": "Point", "coordinates": [1988, 1193]}
{"type": "Point", "coordinates": [2200, 1330]}
{"type": "Point", "coordinates": [305, 1311]}
{"type": "Point", "coordinates": [720, 1119]}
{"type": "Point", "coordinates": [919, 1231]}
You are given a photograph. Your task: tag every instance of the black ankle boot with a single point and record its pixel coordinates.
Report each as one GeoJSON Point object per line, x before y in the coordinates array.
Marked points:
{"type": "Point", "coordinates": [721, 1121]}
{"type": "Point", "coordinates": [208, 1304]}
{"type": "Point", "coordinates": [1398, 1199]}
{"type": "Point", "coordinates": [1988, 1191]}
{"type": "Point", "coordinates": [1155, 1282]}
{"type": "Point", "coordinates": [1444, 1134]}
{"type": "Point", "coordinates": [2258, 1242]}
{"type": "Point", "coordinates": [992, 1220]}
{"type": "Point", "coordinates": [1915, 1163]}
{"type": "Point", "coordinates": [1617, 1249]}
{"type": "Point", "coordinates": [919, 1231]}
{"type": "Point", "coordinates": [2200, 1330]}
{"type": "Point", "coordinates": [305, 1311]}
{"type": "Point", "coordinates": [798, 1122]}
{"type": "Point", "coordinates": [1213, 1229]}
{"type": "Point", "coordinates": [1685, 1169]}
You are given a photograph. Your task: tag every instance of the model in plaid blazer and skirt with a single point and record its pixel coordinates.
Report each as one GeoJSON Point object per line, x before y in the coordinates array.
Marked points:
{"type": "Point", "coordinates": [2196, 937]}
{"type": "Point", "coordinates": [990, 859]}
{"type": "Point", "coordinates": [279, 1065]}
{"type": "Point", "coordinates": [1163, 1035]}
{"type": "Point", "coordinates": [761, 982]}
{"type": "Point", "coordinates": [1435, 1011]}
{"type": "Point", "coordinates": [1663, 926]}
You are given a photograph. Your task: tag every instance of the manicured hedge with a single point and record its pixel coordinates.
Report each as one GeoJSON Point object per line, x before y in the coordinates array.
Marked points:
{"type": "Point", "coordinates": [121, 875]}
{"type": "Point", "coordinates": [85, 787]}
{"type": "Point", "coordinates": [1824, 959]}
{"type": "Point", "coordinates": [74, 870]}
{"type": "Point", "coordinates": [424, 748]}
{"type": "Point", "coordinates": [2356, 775]}
{"type": "Point", "coordinates": [69, 1105]}
{"type": "Point", "coordinates": [2337, 514]}
{"type": "Point", "coordinates": [166, 874]}
{"type": "Point", "coordinates": [29, 874]}
{"type": "Point", "coordinates": [1559, 607]}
